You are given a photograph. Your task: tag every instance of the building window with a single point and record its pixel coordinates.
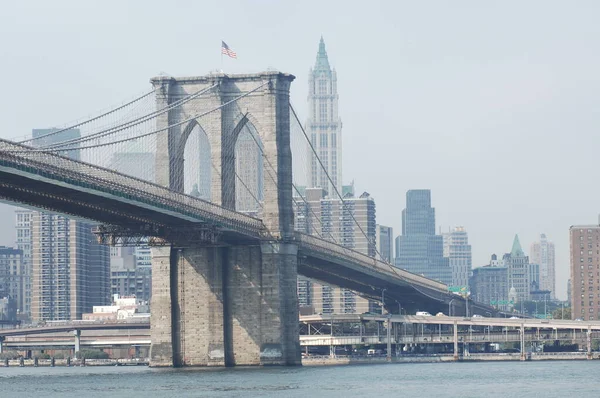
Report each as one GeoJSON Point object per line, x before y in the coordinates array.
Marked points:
{"type": "Point", "coordinates": [322, 87]}
{"type": "Point", "coordinates": [323, 112]}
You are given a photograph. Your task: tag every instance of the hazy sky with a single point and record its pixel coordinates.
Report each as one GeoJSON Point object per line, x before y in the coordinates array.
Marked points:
{"type": "Point", "coordinates": [491, 105]}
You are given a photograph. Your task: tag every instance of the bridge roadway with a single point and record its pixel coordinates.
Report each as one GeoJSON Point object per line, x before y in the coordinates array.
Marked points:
{"type": "Point", "coordinates": [448, 320]}
{"type": "Point", "coordinates": [56, 183]}
{"type": "Point", "coordinates": [470, 330]}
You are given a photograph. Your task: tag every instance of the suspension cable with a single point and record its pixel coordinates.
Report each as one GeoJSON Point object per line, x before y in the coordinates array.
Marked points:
{"type": "Point", "coordinates": [197, 116]}
{"type": "Point", "coordinates": [89, 120]}
{"type": "Point", "coordinates": [127, 125]}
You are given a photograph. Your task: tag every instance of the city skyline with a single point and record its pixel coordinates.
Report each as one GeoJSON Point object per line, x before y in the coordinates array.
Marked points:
{"type": "Point", "coordinates": [454, 109]}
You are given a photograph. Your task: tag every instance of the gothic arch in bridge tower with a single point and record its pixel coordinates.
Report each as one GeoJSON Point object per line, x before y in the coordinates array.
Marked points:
{"type": "Point", "coordinates": [250, 170]}
{"type": "Point", "coordinates": [195, 148]}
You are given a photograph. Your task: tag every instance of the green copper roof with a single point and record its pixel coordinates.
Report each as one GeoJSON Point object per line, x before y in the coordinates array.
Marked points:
{"type": "Point", "coordinates": [322, 63]}
{"type": "Point", "coordinates": [517, 251]}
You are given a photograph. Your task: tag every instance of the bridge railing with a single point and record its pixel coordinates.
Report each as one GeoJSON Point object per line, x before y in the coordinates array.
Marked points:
{"type": "Point", "coordinates": [85, 175]}
{"type": "Point", "coordinates": [329, 248]}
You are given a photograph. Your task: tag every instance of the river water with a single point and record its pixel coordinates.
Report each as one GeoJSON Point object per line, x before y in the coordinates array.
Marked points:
{"type": "Point", "coordinates": [485, 379]}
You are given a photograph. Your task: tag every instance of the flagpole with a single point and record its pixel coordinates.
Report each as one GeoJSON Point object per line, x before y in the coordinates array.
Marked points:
{"type": "Point", "coordinates": [222, 57]}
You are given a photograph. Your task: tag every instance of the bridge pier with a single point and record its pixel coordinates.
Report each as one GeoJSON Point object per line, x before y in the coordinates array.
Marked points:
{"type": "Point", "coordinates": [455, 329]}
{"type": "Point", "coordinates": [225, 306]}
{"type": "Point", "coordinates": [589, 342]}
{"type": "Point", "coordinates": [77, 334]}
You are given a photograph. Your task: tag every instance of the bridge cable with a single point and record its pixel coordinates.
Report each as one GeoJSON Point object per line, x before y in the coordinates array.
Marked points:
{"type": "Point", "coordinates": [145, 134]}
{"type": "Point", "coordinates": [129, 124]}
{"type": "Point", "coordinates": [89, 120]}
{"type": "Point", "coordinates": [391, 267]}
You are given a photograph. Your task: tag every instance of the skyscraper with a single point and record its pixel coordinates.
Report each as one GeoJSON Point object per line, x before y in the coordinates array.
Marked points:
{"type": "Point", "coordinates": [23, 219]}
{"type": "Point", "coordinates": [489, 284]}
{"type": "Point", "coordinates": [419, 250]}
{"type": "Point", "coordinates": [585, 261]}
{"type": "Point", "coordinates": [11, 276]}
{"type": "Point", "coordinates": [542, 253]}
{"type": "Point", "coordinates": [333, 220]}
{"type": "Point", "coordinates": [324, 125]}
{"type": "Point", "coordinates": [70, 271]}
{"type": "Point", "coordinates": [130, 267]}
{"type": "Point", "coordinates": [385, 243]}
{"type": "Point", "coordinates": [519, 273]}
{"type": "Point", "coordinates": [458, 251]}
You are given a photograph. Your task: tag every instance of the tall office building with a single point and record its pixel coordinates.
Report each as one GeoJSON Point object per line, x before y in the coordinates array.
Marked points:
{"type": "Point", "coordinates": [384, 236]}
{"type": "Point", "coordinates": [519, 272]}
{"type": "Point", "coordinates": [458, 251]}
{"type": "Point", "coordinates": [70, 271]}
{"type": "Point", "coordinates": [419, 250]}
{"type": "Point", "coordinates": [542, 253]}
{"type": "Point", "coordinates": [12, 276]}
{"type": "Point", "coordinates": [585, 262]}
{"type": "Point", "coordinates": [489, 284]}
{"type": "Point", "coordinates": [333, 220]}
{"type": "Point", "coordinates": [131, 267]}
{"type": "Point", "coordinates": [23, 219]}
{"type": "Point", "coordinates": [324, 125]}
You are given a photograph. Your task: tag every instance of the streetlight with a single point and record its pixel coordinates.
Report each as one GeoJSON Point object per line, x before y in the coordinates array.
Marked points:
{"type": "Point", "coordinates": [450, 307]}
{"type": "Point", "coordinates": [383, 300]}
{"type": "Point", "coordinates": [399, 307]}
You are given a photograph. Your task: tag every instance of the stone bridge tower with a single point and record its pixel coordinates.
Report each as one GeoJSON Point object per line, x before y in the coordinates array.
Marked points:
{"type": "Point", "coordinates": [227, 304]}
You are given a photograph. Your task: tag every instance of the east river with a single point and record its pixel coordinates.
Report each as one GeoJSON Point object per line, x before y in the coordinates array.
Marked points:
{"type": "Point", "coordinates": [485, 379]}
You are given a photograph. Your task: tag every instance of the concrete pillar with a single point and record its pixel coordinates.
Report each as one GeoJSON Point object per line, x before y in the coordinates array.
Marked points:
{"type": "Point", "coordinates": [589, 342]}
{"type": "Point", "coordinates": [455, 329]}
{"type": "Point", "coordinates": [280, 339]}
{"type": "Point", "coordinates": [77, 335]}
{"type": "Point", "coordinates": [522, 335]}
{"type": "Point", "coordinates": [2, 338]}
{"type": "Point", "coordinates": [227, 306]}
{"type": "Point", "coordinates": [389, 338]}
{"type": "Point", "coordinates": [161, 351]}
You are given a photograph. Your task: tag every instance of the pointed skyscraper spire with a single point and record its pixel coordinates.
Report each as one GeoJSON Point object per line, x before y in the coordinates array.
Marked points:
{"type": "Point", "coordinates": [516, 251]}
{"type": "Point", "coordinates": [322, 63]}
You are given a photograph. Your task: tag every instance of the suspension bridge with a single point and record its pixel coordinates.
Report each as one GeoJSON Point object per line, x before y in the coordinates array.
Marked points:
{"type": "Point", "coordinates": [202, 168]}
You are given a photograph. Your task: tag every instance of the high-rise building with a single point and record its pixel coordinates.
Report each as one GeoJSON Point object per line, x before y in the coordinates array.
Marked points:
{"type": "Point", "coordinates": [542, 253]}
{"type": "Point", "coordinates": [131, 267]}
{"type": "Point", "coordinates": [585, 261]}
{"type": "Point", "coordinates": [131, 273]}
{"type": "Point", "coordinates": [534, 277]}
{"type": "Point", "coordinates": [419, 250]}
{"type": "Point", "coordinates": [519, 274]}
{"type": "Point", "coordinates": [23, 218]}
{"type": "Point", "coordinates": [12, 276]}
{"type": "Point", "coordinates": [334, 220]}
{"type": "Point", "coordinates": [324, 125]}
{"type": "Point", "coordinates": [489, 284]}
{"type": "Point", "coordinates": [458, 251]}
{"type": "Point", "coordinates": [384, 236]}
{"type": "Point", "coordinates": [70, 271]}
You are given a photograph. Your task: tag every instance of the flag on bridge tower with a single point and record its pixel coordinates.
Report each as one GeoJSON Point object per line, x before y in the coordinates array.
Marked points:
{"type": "Point", "coordinates": [227, 51]}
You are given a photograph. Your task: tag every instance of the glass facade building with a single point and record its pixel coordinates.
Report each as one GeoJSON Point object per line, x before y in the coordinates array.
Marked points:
{"type": "Point", "coordinates": [419, 250]}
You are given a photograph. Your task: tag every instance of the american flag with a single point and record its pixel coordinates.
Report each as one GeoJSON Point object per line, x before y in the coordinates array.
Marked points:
{"type": "Point", "coordinates": [227, 51]}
